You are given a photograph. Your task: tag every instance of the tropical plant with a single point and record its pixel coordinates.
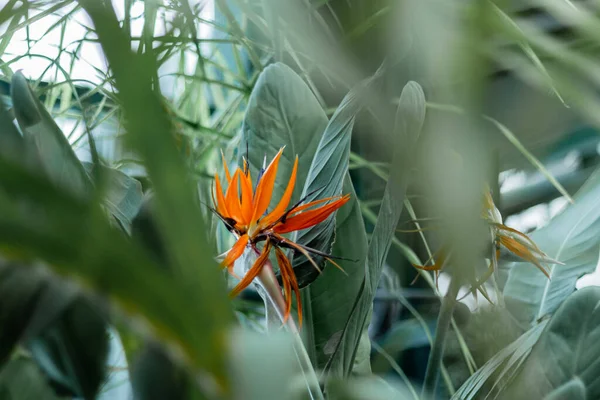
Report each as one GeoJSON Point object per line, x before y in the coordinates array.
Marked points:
{"type": "Point", "coordinates": [361, 161]}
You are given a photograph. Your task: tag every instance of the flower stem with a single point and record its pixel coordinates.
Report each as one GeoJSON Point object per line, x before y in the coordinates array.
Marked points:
{"type": "Point", "coordinates": [437, 350]}
{"type": "Point", "coordinates": [269, 284]}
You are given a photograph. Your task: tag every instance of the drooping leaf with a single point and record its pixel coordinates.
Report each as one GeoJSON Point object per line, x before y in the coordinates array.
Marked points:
{"type": "Point", "coordinates": [572, 237]}
{"type": "Point", "coordinates": [565, 359]}
{"type": "Point", "coordinates": [46, 140]}
{"type": "Point", "coordinates": [409, 120]}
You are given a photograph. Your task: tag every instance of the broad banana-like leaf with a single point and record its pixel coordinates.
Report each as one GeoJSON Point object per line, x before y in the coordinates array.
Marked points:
{"type": "Point", "coordinates": [564, 361]}
{"type": "Point", "coordinates": [409, 120]}
{"type": "Point", "coordinates": [572, 237]}
{"type": "Point", "coordinates": [282, 111]}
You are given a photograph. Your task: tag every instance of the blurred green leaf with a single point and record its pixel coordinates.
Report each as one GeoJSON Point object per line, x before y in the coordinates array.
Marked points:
{"type": "Point", "coordinates": [567, 351]}
{"type": "Point", "coordinates": [504, 363]}
{"type": "Point", "coordinates": [150, 133]}
{"type": "Point", "coordinates": [21, 288]}
{"type": "Point", "coordinates": [409, 120]}
{"type": "Point", "coordinates": [572, 237]}
{"type": "Point", "coordinates": [21, 379]}
{"type": "Point", "coordinates": [282, 111]}
{"type": "Point", "coordinates": [279, 368]}
{"type": "Point", "coordinates": [367, 388]}
{"type": "Point", "coordinates": [123, 197]}
{"type": "Point", "coordinates": [403, 335]}
{"type": "Point", "coordinates": [154, 376]}
{"type": "Point", "coordinates": [73, 350]}
{"type": "Point", "coordinates": [572, 390]}
{"type": "Point", "coordinates": [45, 138]}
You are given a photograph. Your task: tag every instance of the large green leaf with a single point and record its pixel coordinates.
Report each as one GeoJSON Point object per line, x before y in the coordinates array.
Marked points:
{"type": "Point", "coordinates": [572, 237]}
{"type": "Point", "coordinates": [566, 356]}
{"type": "Point", "coordinates": [45, 138]}
{"type": "Point", "coordinates": [328, 301]}
{"type": "Point", "coordinates": [282, 111]}
{"type": "Point", "coordinates": [409, 120]}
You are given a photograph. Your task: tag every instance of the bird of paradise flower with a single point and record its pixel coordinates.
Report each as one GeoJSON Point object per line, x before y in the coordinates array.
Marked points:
{"type": "Point", "coordinates": [516, 244]}
{"type": "Point", "coordinates": [244, 213]}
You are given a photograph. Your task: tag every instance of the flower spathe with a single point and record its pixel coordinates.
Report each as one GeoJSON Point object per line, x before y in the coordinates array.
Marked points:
{"type": "Point", "coordinates": [244, 212]}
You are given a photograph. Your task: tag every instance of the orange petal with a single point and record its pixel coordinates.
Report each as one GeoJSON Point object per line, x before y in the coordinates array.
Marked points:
{"type": "Point", "coordinates": [252, 272]}
{"type": "Point", "coordinates": [283, 263]}
{"type": "Point", "coordinates": [522, 251]}
{"type": "Point", "coordinates": [279, 210]}
{"type": "Point", "coordinates": [311, 217]}
{"type": "Point", "coordinates": [236, 251]}
{"type": "Point", "coordinates": [221, 203]}
{"type": "Point", "coordinates": [227, 174]}
{"type": "Point", "coordinates": [247, 205]}
{"type": "Point", "coordinates": [264, 189]}
{"type": "Point", "coordinates": [312, 204]}
{"type": "Point", "coordinates": [288, 271]}
{"type": "Point", "coordinates": [233, 199]}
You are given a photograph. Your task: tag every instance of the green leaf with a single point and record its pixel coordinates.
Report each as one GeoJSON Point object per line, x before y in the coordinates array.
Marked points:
{"type": "Point", "coordinates": [12, 144]}
{"type": "Point", "coordinates": [278, 373]}
{"type": "Point", "coordinates": [504, 363]}
{"type": "Point", "coordinates": [282, 111]}
{"type": "Point", "coordinates": [123, 197]}
{"type": "Point", "coordinates": [154, 376]}
{"type": "Point", "coordinates": [572, 237]}
{"type": "Point", "coordinates": [405, 334]}
{"type": "Point", "coordinates": [567, 351]}
{"type": "Point", "coordinates": [572, 390]}
{"type": "Point", "coordinates": [46, 140]}
{"type": "Point", "coordinates": [367, 388]}
{"type": "Point", "coordinates": [329, 299]}
{"type": "Point", "coordinates": [185, 233]}
{"type": "Point", "coordinates": [409, 120]}
{"type": "Point", "coordinates": [21, 379]}
{"type": "Point", "coordinates": [73, 350]}
{"type": "Point", "coordinates": [21, 288]}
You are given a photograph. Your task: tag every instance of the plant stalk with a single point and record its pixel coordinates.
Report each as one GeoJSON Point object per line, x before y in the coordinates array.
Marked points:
{"type": "Point", "coordinates": [269, 283]}
{"type": "Point", "coordinates": [437, 350]}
